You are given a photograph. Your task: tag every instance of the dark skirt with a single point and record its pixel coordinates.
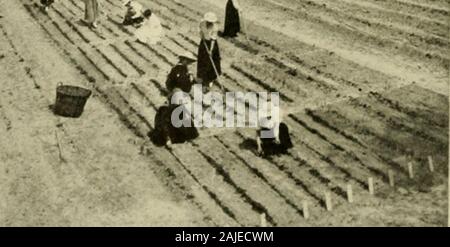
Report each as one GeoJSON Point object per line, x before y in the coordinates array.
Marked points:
{"type": "Point", "coordinates": [205, 70]}
{"type": "Point", "coordinates": [270, 147]}
{"type": "Point", "coordinates": [165, 131]}
{"type": "Point", "coordinates": [47, 3]}
{"type": "Point", "coordinates": [179, 77]}
{"type": "Point", "coordinates": [129, 20]}
{"type": "Point", "coordinates": [232, 21]}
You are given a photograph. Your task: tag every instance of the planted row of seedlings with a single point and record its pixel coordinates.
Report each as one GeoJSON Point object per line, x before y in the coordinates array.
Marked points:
{"type": "Point", "coordinates": [400, 121]}
{"type": "Point", "coordinates": [235, 182]}
{"type": "Point", "coordinates": [362, 32]}
{"type": "Point", "coordinates": [423, 10]}
{"type": "Point", "coordinates": [271, 64]}
{"type": "Point", "coordinates": [233, 161]}
{"type": "Point", "coordinates": [402, 19]}
{"type": "Point", "coordinates": [355, 17]}
{"type": "Point", "coordinates": [424, 115]}
{"type": "Point", "coordinates": [243, 176]}
{"type": "Point", "coordinates": [285, 97]}
{"type": "Point", "coordinates": [140, 118]}
{"type": "Point", "coordinates": [388, 143]}
{"type": "Point", "coordinates": [286, 81]}
{"type": "Point", "coordinates": [313, 61]}
{"type": "Point", "coordinates": [311, 73]}
{"type": "Point", "coordinates": [206, 199]}
{"type": "Point", "coordinates": [132, 112]}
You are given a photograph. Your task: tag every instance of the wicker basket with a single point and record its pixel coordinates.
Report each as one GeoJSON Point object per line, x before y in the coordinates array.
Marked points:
{"type": "Point", "coordinates": [70, 100]}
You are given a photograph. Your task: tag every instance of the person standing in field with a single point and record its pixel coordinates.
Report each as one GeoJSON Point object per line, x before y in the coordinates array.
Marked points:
{"type": "Point", "coordinates": [208, 57]}
{"type": "Point", "coordinates": [232, 19]}
{"type": "Point", "coordinates": [92, 12]}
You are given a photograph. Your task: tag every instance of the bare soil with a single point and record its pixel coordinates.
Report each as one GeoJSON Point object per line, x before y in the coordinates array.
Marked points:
{"type": "Point", "coordinates": [365, 84]}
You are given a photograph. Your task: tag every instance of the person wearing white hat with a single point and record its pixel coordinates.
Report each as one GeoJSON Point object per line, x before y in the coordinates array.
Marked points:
{"type": "Point", "coordinates": [151, 30]}
{"type": "Point", "coordinates": [209, 26]}
{"type": "Point", "coordinates": [272, 137]}
{"type": "Point", "coordinates": [208, 58]}
{"type": "Point", "coordinates": [180, 75]}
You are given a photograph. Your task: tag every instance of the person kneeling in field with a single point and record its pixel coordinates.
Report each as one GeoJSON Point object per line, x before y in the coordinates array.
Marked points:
{"type": "Point", "coordinates": [173, 121]}
{"type": "Point", "coordinates": [133, 16]}
{"type": "Point", "coordinates": [180, 76]}
{"type": "Point", "coordinates": [273, 137]}
{"type": "Point", "coordinates": [150, 30]}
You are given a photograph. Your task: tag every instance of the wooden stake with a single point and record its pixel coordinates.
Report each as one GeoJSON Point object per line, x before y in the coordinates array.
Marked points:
{"type": "Point", "coordinates": [391, 178]}
{"type": "Point", "coordinates": [61, 157]}
{"type": "Point", "coordinates": [263, 220]}
{"type": "Point", "coordinates": [410, 170]}
{"type": "Point", "coordinates": [305, 210]}
{"type": "Point", "coordinates": [371, 188]}
{"type": "Point", "coordinates": [349, 193]}
{"type": "Point", "coordinates": [430, 163]}
{"type": "Point", "coordinates": [328, 203]}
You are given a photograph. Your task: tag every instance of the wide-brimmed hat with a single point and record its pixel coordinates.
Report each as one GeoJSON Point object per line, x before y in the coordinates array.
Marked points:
{"type": "Point", "coordinates": [188, 56]}
{"type": "Point", "coordinates": [210, 17]}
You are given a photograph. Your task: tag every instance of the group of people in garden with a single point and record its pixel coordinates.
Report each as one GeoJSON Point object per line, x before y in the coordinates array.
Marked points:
{"type": "Point", "coordinates": [148, 30]}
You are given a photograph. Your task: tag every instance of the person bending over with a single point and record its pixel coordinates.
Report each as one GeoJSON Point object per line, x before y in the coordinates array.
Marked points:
{"type": "Point", "coordinates": [273, 137]}
{"type": "Point", "coordinates": [180, 76]}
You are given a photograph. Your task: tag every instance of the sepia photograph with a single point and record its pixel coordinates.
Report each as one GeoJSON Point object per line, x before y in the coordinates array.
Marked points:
{"type": "Point", "coordinates": [224, 113]}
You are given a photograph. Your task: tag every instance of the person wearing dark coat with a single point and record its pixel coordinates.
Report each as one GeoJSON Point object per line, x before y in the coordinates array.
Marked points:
{"type": "Point", "coordinates": [166, 132]}
{"type": "Point", "coordinates": [207, 71]}
{"type": "Point", "coordinates": [279, 142]}
{"type": "Point", "coordinates": [46, 4]}
{"type": "Point", "coordinates": [180, 76]}
{"type": "Point", "coordinates": [232, 19]}
{"type": "Point", "coordinates": [275, 140]}
{"type": "Point", "coordinates": [160, 134]}
{"type": "Point", "coordinates": [133, 16]}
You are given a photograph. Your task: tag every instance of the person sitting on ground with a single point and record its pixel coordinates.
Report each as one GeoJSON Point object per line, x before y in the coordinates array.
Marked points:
{"type": "Point", "coordinates": [173, 121]}
{"type": "Point", "coordinates": [46, 4]}
{"type": "Point", "coordinates": [180, 76]}
{"type": "Point", "coordinates": [208, 57]}
{"type": "Point", "coordinates": [133, 16]}
{"type": "Point", "coordinates": [150, 31]}
{"type": "Point", "coordinates": [273, 136]}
